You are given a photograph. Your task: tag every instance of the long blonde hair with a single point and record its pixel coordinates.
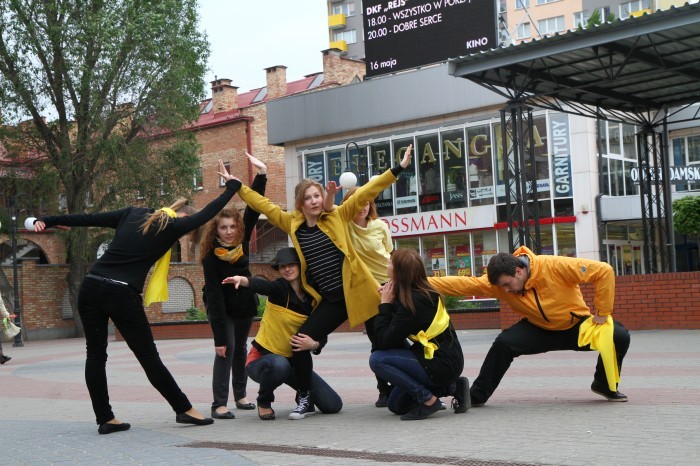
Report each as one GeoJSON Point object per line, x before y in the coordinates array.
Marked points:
{"type": "Point", "coordinates": [161, 218]}
{"type": "Point", "coordinates": [206, 244]}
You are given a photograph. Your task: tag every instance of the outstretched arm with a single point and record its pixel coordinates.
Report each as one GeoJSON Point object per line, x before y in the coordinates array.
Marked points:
{"type": "Point", "coordinates": [331, 190]}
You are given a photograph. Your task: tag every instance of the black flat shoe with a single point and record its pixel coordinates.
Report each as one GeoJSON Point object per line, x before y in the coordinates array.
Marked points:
{"type": "Point", "coordinates": [266, 417]}
{"type": "Point", "coordinates": [226, 415]}
{"type": "Point", "coordinates": [108, 428]}
{"type": "Point", "coordinates": [247, 406]}
{"type": "Point", "coordinates": [184, 418]}
{"type": "Point", "coordinates": [4, 359]}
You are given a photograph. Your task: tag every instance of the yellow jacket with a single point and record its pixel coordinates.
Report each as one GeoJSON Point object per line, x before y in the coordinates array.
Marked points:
{"type": "Point", "coordinates": [359, 287]}
{"type": "Point", "coordinates": [551, 293]}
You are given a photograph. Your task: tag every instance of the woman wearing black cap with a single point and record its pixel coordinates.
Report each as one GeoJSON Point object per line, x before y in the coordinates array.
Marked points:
{"type": "Point", "coordinates": [270, 360]}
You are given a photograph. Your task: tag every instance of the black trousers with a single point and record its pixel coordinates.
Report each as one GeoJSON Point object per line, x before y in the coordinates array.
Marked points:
{"type": "Point", "coordinates": [97, 303]}
{"type": "Point", "coordinates": [323, 320]}
{"type": "Point", "coordinates": [526, 338]}
{"type": "Point", "coordinates": [231, 368]}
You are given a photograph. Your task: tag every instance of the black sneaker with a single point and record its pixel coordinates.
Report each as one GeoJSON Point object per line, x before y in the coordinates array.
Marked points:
{"type": "Point", "coordinates": [462, 400]}
{"type": "Point", "coordinates": [421, 411]}
{"type": "Point", "coordinates": [382, 401]}
{"type": "Point", "coordinates": [305, 406]}
{"type": "Point", "coordinates": [605, 392]}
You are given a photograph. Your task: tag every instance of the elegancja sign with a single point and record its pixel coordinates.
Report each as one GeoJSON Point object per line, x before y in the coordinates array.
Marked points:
{"type": "Point", "coordinates": [677, 175]}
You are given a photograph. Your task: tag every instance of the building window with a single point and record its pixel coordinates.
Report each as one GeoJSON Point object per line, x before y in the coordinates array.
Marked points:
{"type": "Point", "coordinates": [627, 8]}
{"type": "Point", "coordinates": [619, 146]}
{"type": "Point", "coordinates": [523, 31]}
{"type": "Point", "coordinates": [581, 19]}
{"type": "Point", "coordinates": [198, 180]}
{"type": "Point", "coordinates": [348, 36]}
{"type": "Point", "coordinates": [227, 166]}
{"type": "Point", "coordinates": [686, 152]}
{"type": "Point", "coordinates": [430, 181]}
{"type": "Point", "coordinates": [543, 2]}
{"type": "Point", "coordinates": [520, 4]}
{"type": "Point", "coordinates": [347, 9]}
{"type": "Point", "coordinates": [551, 25]}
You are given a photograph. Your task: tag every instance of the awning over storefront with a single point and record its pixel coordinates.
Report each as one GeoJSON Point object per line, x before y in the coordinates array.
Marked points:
{"type": "Point", "coordinates": [626, 70]}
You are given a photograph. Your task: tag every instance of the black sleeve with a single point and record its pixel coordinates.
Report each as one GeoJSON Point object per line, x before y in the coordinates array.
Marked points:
{"type": "Point", "coordinates": [273, 289]}
{"type": "Point", "coordinates": [395, 323]}
{"type": "Point", "coordinates": [184, 224]}
{"type": "Point", "coordinates": [105, 219]}
{"type": "Point", "coordinates": [250, 217]}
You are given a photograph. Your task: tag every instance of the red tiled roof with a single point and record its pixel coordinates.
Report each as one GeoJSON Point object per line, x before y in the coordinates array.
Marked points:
{"type": "Point", "coordinates": [246, 99]}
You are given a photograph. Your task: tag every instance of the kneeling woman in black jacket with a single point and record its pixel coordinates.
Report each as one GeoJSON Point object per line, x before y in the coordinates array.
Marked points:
{"type": "Point", "coordinates": [431, 366]}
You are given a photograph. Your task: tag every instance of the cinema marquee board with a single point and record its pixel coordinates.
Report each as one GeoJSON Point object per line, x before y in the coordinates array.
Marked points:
{"type": "Point", "coordinates": [403, 34]}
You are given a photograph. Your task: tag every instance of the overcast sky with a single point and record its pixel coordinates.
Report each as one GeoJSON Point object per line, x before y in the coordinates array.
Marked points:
{"type": "Point", "coordinates": [247, 36]}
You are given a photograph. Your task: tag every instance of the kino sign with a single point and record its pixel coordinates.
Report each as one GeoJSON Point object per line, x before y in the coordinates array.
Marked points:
{"type": "Point", "coordinates": [677, 175]}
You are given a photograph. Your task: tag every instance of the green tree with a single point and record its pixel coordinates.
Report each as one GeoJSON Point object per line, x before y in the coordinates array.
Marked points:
{"type": "Point", "coordinates": [105, 84]}
{"type": "Point", "coordinates": [686, 216]}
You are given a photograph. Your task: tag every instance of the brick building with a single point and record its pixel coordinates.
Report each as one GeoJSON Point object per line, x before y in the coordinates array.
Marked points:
{"type": "Point", "coordinates": [230, 124]}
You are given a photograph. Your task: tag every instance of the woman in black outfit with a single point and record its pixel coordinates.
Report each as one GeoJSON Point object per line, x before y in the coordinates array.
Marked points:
{"type": "Point", "coordinates": [411, 309]}
{"type": "Point", "coordinates": [224, 253]}
{"type": "Point", "coordinates": [112, 290]}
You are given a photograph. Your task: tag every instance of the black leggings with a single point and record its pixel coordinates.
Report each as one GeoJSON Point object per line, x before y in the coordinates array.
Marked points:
{"type": "Point", "coordinates": [323, 320]}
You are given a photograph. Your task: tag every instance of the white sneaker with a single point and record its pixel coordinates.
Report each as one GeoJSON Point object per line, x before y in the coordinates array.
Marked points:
{"type": "Point", "coordinates": [304, 408]}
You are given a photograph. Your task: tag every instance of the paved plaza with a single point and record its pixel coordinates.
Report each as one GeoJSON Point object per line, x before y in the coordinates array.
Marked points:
{"type": "Point", "coordinates": [543, 412]}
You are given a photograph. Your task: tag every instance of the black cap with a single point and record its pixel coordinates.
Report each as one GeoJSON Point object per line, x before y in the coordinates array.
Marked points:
{"type": "Point", "coordinates": [286, 256]}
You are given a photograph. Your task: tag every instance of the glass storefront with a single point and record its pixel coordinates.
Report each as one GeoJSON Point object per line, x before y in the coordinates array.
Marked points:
{"type": "Point", "coordinates": [455, 170]}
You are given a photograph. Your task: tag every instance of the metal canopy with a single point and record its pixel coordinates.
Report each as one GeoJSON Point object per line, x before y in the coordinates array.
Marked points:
{"type": "Point", "coordinates": [627, 70]}
{"type": "Point", "coordinates": [640, 70]}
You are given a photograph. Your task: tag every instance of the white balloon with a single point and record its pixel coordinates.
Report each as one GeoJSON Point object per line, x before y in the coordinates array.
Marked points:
{"type": "Point", "coordinates": [348, 180]}
{"type": "Point", "coordinates": [29, 223]}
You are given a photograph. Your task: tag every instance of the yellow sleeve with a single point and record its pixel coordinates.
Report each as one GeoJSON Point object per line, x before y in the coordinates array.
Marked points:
{"type": "Point", "coordinates": [263, 205]}
{"type": "Point", "coordinates": [600, 274]}
{"type": "Point", "coordinates": [464, 286]}
{"type": "Point", "coordinates": [365, 193]}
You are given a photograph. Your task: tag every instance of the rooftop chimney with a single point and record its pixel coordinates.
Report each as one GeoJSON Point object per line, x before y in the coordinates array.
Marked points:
{"type": "Point", "coordinates": [276, 81]}
{"type": "Point", "coordinates": [224, 96]}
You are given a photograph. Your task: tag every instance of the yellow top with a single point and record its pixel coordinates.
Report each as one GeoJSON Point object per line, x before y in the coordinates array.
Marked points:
{"type": "Point", "coordinates": [373, 245]}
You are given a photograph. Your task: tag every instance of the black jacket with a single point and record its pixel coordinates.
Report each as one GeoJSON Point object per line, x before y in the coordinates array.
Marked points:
{"type": "Point", "coordinates": [222, 300]}
{"type": "Point", "coordinates": [131, 254]}
{"type": "Point", "coordinates": [395, 323]}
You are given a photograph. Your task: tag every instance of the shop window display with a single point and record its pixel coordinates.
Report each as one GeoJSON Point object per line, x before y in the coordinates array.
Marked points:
{"type": "Point", "coordinates": [428, 163]}
{"type": "Point", "coordinates": [406, 201]}
{"type": "Point", "coordinates": [453, 157]}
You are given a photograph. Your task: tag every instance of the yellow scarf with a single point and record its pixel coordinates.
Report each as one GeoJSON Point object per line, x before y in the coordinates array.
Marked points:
{"type": "Point", "coordinates": [229, 256]}
{"type": "Point", "coordinates": [157, 290]}
{"type": "Point", "coordinates": [277, 327]}
{"type": "Point", "coordinates": [600, 337]}
{"type": "Point", "coordinates": [439, 325]}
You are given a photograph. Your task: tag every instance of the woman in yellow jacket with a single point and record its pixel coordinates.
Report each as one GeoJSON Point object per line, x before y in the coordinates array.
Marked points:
{"type": "Point", "coordinates": [331, 271]}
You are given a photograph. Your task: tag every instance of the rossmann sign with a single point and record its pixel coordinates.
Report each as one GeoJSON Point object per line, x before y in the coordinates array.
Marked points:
{"type": "Point", "coordinates": [443, 221]}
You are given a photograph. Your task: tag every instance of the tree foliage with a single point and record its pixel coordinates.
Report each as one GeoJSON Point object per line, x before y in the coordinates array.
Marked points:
{"type": "Point", "coordinates": [686, 216]}
{"type": "Point", "coordinates": [105, 84]}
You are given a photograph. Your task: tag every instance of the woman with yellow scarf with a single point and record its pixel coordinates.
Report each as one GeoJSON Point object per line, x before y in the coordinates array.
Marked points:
{"type": "Point", "coordinates": [224, 253]}
{"type": "Point", "coordinates": [431, 367]}
{"type": "Point", "coordinates": [112, 290]}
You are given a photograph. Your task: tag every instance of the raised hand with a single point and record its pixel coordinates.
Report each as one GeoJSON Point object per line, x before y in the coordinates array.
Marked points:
{"type": "Point", "coordinates": [406, 160]}
{"type": "Point", "coordinates": [223, 173]}
{"type": "Point", "coordinates": [262, 168]}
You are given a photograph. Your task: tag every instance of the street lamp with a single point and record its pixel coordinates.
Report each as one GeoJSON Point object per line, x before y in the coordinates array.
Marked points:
{"type": "Point", "coordinates": [348, 179]}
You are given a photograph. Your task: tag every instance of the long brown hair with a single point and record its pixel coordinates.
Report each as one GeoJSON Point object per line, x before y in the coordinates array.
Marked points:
{"type": "Point", "coordinates": [409, 276]}
{"type": "Point", "coordinates": [161, 218]}
{"type": "Point", "coordinates": [372, 214]}
{"type": "Point", "coordinates": [206, 245]}
{"type": "Point", "coordinates": [300, 191]}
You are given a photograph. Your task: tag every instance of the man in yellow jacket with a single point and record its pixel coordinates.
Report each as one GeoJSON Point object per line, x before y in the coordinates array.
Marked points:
{"type": "Point", "coordinates": [545, 290]}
